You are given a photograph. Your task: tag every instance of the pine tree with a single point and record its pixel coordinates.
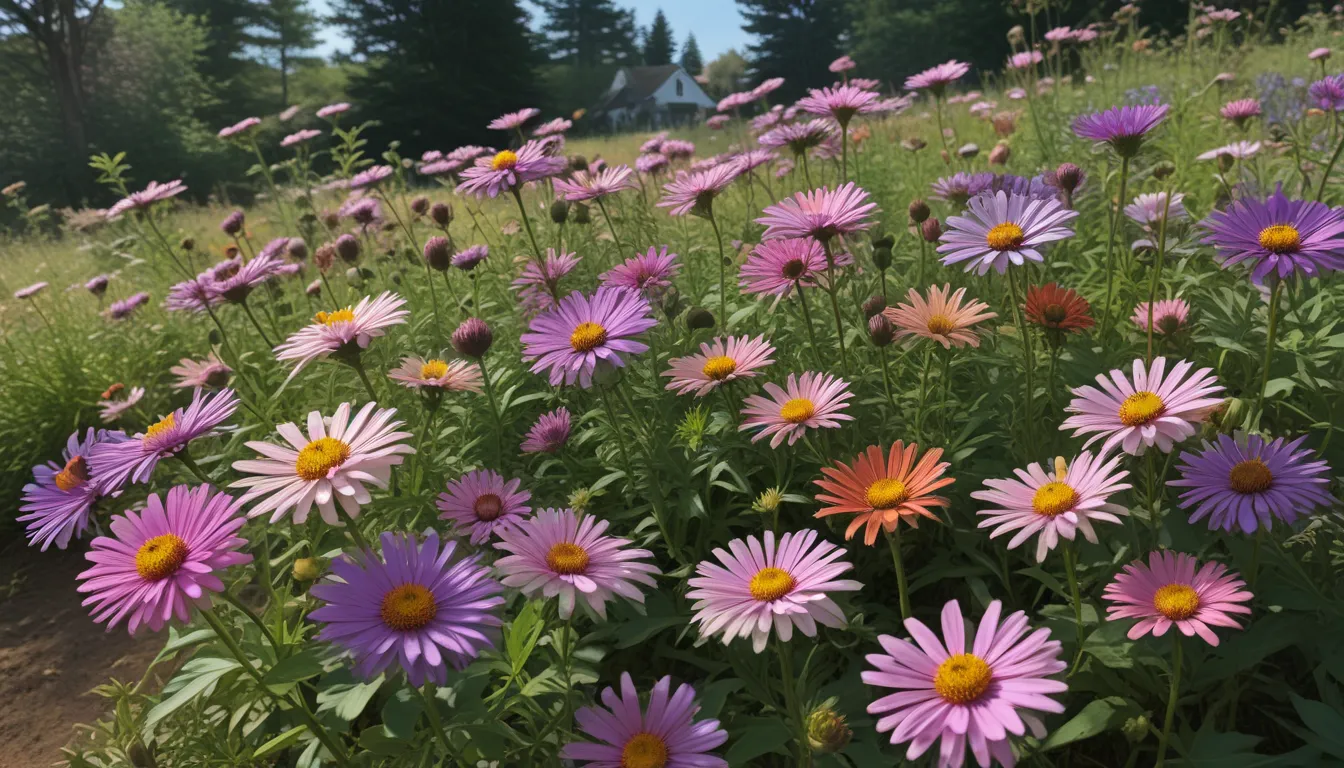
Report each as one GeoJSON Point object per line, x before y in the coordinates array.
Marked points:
{"type": "Point", "coordinates": [284, 30]}
{"type": "Point", "coordinates": [659, 44]}
{"type": "Point", "coordinates": [796, 40]}
{"type": "Point", "coordinates": [691, 60]}
{"type": "Point", "coordinates": [589, 33]}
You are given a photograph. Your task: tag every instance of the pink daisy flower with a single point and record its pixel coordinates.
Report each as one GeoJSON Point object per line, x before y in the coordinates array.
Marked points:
{"type": "Point", "coordinates": [940, 317]}
{"type": "Point", "coordinates": [61, 497]}
{"type": "Point", "coordinates": [349, 329]}
{"type": "Point", "coordinates": [511, 121]}
{"type": "Point", "coordinates": [1240, 110]}
{"type": "Point", "coordinates": [936, 79]}
{"type": "Point", "coordinates": [798, 137]}
{"type": "Point", "coordinates": [482, 502]}
{"type": "Point", "coordinates": [821, 214]}
{"type": "Point", "coordinates": [437, 374]}
{"type": "Point", "coordinates": [758, 585]}
{"type": "Point", "coordinates": [676, 149]}
{"type": "Point", "coordinates": [111, 409]}
{"type": "Point", "coordinates": [299, 137]}
{"type": "Point", "coordinates": [841, 103]}
{"type": "Point", "coordinates": [974, 697]}
{"type": "Point", "coordinates": [588, 185]}
{"type": "Point", "coordinates": [651, 163]}
{"type": "Point", "coordinates": [552, 127]}
{"type": "Point", "coordinates": [233, 281]}
{"type": "Point", "coordinates": [694, 193]}
{"type": "Point", "coordinates": [371, 177]}
{"type": "Point", "coordinates": [543, 281]}
{"type": "Point", "coordinates": [1169, 315]}
{"type": "Point", "coordinates": [1156, 408]}
{"type": "Point", "coordinates": [1025, 59]}
{"type": "Point", "coordinates": [134, 460]}
{"type": "Point", "coordinates": [1319, 53]}
{"type": "Point", "coordinates": [717, 122]}
{"type": "Point", "coordinates": [718, 363]}
{"type": "Point", "coordinates": [570, 339]}
{"type": "Point", "coordinates": [559, 553]}
{"type": "Point", "coordinates": [329, 465]}
{"type": "Point", "coordinates": [240, 127]}
{"type": "Point", "coordinates": [1002, 228]}
{"type": "Point", "coordinates": [650, 273]}
{"type": "Point", "coordinates": [332, 110]}
{"type": "Point", "coordinates": [1168, 591]}
{"type": "Point", "coordinates": [664, 734]}
{"type": "Point", "coordinates": [153, 193]}
{"type": "Point", "coordinates": [775, 266]}
{"type": "Point", "coordinates": [842, 64]}
{"type": "Point", "coordinates": [509, 170]}
{"type": "Point", "coordinates": [210, 373]}
{"type": "Point", "coordinates": [1054, 504]}
{"type": "Point", "coordinates": [767, 87]}
{"type": "Point", "coordinates": [549, 434]}
{"type": "Point", "coordinates": [736, 101]}
{"type": "Point", "coordinates": [163, 560]}
{"type": "Point", "coordinates": [812, 401]}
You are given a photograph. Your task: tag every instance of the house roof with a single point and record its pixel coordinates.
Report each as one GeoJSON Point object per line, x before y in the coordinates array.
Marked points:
{"type": "Point", "coordinates": [640, 84]}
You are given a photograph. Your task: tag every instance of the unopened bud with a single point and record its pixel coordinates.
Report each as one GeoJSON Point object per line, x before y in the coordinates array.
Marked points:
{"type": "Point", "coordinates": [347, 247]}
{"type": "Point", "coordinates": [919, 211]}
{"type": "Point", "coordinates": [913, 144]}
{"type": "Point", "coordinates": [1226, 161]}
{"type": "Point", "coordinates": [1017, 35]}
{"type": "Point", "coordinates": [232, 224]}
{"type": "Point", "coordinates": [968, 151]}
{"type": "Point", "coordinates": [699, 317]}
{"type": "Point", "coordinates": [324, 256]}
{"type": "Point", "coordinates": [882, 257]}
{"type": "Point", "coordinates": [874, 306]}
{"type": "Point", "coordinates": [827, 731]}
{"type": "Point", "coordinates": [1163, 169]}
{"type": "Point", "coordinates": [441, 213]}
{"type": "Point", "coordinates": [297, 248]}
{"type": "Point", "coordinates": [581, 214]}
{"type": "Point", "coordinates": [578, 163]}
{"type": "Point", "coordinates": [1135, 729]}
{"type": "Point", "coordinates": [999, 154]}
{"type": "Point", "coordinates": [439, 253]}
{"type": "Point", "coordinates": [188, 244]}
{"type": "Point", "coordinates": [308, 568]}
{"type": "Point", "coordinates": [1068, 176]}
{"type": "Point", "coordinates": [768, 502]}
{"type": "Point", "coordinates": [559, 211]}
{"type": "Point", "coordinates": [473, 338]}
{"type": "Point", "coordinates": [880, 331]}
{"type": "Point", "coordinates": [420, 205]}
{"type": "Point", "coordinates": [931, 230]}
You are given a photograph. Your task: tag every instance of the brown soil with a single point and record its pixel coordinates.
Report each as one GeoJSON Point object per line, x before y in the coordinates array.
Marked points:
{"type": "Point", "coordinates": [52, 655]}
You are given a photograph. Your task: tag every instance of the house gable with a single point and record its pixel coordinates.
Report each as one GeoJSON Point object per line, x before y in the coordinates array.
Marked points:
{"type": "Point", "coordinates": [681, 88]}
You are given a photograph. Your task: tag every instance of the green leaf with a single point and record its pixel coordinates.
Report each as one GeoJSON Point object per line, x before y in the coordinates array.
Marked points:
{"type": "Point", "coordinates": [1097, 717]}
{"type": "Point", "coordinates": [400, 714]}
{"type": "Point", "coordinates": [1275, 387]}
{"type": "Point", "coordinates": [196, 676]}
{"type": "Point", "coordinates": [301, 666]}
{"type": "Point", "coordinates": [347, 700]}
{"type": "Point", "coordinates": [1326, 723]}
{"type": "Point", "coordinates": [522, 635]}
{"type": "Point", "coordinates": [761, 736]}
{"type": "Point", "coordinates": [280, 742]}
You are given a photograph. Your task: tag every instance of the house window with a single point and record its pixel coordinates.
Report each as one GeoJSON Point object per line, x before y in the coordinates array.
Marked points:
{"type": "Point", "coordinates": [681, 89]}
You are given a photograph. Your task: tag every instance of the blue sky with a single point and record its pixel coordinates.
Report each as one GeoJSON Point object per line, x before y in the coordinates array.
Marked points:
{"type": "Point", "coordinates": [716, 23]}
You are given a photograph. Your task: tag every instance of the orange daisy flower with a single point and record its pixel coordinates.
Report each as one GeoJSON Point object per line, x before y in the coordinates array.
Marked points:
{"type": "Point", "coordinates": [883, 490]}
{"type": "Point", "coordinates": [1057, 309]}
{"type": "Point", "coordinates": [940, 317]}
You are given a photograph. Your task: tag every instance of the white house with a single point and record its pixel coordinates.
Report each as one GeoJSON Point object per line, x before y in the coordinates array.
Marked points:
{"type": "Point", "coordinates": [652, 97]}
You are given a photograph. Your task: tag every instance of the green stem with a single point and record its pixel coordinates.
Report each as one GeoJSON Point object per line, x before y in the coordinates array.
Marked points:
{"type": "Point", "coordinates": [527, 224]}
{"type": "Point", "coordinates": [1030, 361]}
{"type": "Point", "coordinates": [358, 365]}
{"type": "Point", "coordinates": [191, 466]}
{"type": "Point", "coordinates": [807, 315]}
{"type": "Point", "coordinates": [352, 528]}
{"type": "Point", "coordinates": [1269, 346]}
{"type": "Point", "coordinates": [923, 390]}
{"type": "Point", "coordinates": [886, 377]}
{"type": "Point", "coordinates": [723, 275]}
{"type": "Point", "coordinates": [1325, 177]}
{"type": "Point", "coordinates": [789, 683]}
{"type": "Point", "coordinates": [831, 279]}
{"type": "Point", "coordinates": [612, 228]}
{"type": "Point", "coordinates": [494, 413]}
{"type": "Point", "coordinates": [1157, 269]}
{"type": "Point", "coordinates": [1110, 249]}
{"type": "Point", "coordinates": [894, 543]}
{"type": "Point", "coordinates": [1071, 571]}
{"type": "Point", "coordinates": [427, 695]}
{"type": "Point", "coordinates": [248, 311]}
{"type": "Point", "coordinates": [1172, 695]}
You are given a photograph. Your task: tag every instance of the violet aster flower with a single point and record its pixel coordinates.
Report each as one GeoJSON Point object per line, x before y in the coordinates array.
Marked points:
{"type": "Point", "coordinates": [651, 273]}
{"type": "Point", "coordinates": [1169, 315]}
{"type": "Point", "coordinates": [437, 374]}
{"type": "Point", "coordinates": [300, 137]}
{"type": "Point", "coordinates": [233, 280]}
{"type": "Point", "coordinates": [195, 295]}
{"type": "Point", "coordinates": [1240, 111]}
{"type": "Point", "coordinates": [664, 734]}
{"type": "Point", "coordinates": [842, 64]}
{"type": "Point", "coordinates": [760, 585]}
{"type": "Point", "coordinates": [798, 137]}
{"type": "Point", "coordinates": [210, 373]}
{"type": "Point", "coordinates": [468, 258]}
{"type": "Point", "coordinates": [330, 465]}
{"type": "Point", "coordinates": [120, 310]}
{"type": "Point", "coordinates": [440, 167]}
{"type": "Point", "coordinates": [752, 159]}
{"type": "Point", "coordinates": [962, 696]}
{"type": "Point", "coordinates": [812, 401]}
{"type": "Point", "coordinates": [344, 330]}
{"type": "Point", "coordinates": [1123, 127]}
{"type": "Point", "coordinates": [775, 266]}
{"type": "Point", "coordinates": [676, 149]}
{"type": "Point", "coordinates": [1001, 229]}
{"type": "Point", "coordinates": [509, 170]}
{"type": "Point", "coordinates": [1318, 54]}
{"type": "Point", "coordinates": [1148, 208]}
{"type": "Point", "coordinates": [1237, 150]}
{"type": "Point", "coordinates": [1245, 483]}
{"type": "Point", "coordinates": [821, 214]}
{"type": "Point", "coordinates": [767, 87]}
{"type": "Point", "coordinates": [540, 283]}
{"type": "Point", "coordinates": [163, 560]}
{"type": "Point", "coordinates": [936, 79]}
{"type": "Point", "coordinates": [411, 606]}
{"type": "Point", "coordinates": [117, 463]}
{"type": "Point", "coordinates": [654, 143]}
{"type": "Point", "coordinates": [717, 122]}
{"type": "Point", "coordinates": [482, 502]}
{"type": "Point", "coordinates": [718, 363]}
{"type": "Point", "coordinates": [365, 211]}
{"type": "Point", "coordinates": [841, 103]}
{"type": "Point", "coordinates": [1055, 505]}
{"type": "Point", "coordinates": [371, 177]}
{"type": "Point", "coordinates": [549, 434]}
{"type": "Point", "coordinates": [1025, 59]}
{"type": "Point", "coordinates": [1278, 236]}
{"type": "Point", "coordinates": [559, 553]}
{"type": "Point", "coordinates": [1059, 35]}
{"type": "Point", "coordinates": [512, 121]}
{"type": "Point", "coordinates": [1156, 408]}
{"type": "Point", "coordinates": [552, 127]}
{"type": "Point", "coordinates": [332, 110]}
{"type": "Point", "coordinates": [98, 285]}
{"type": "Point", "coordinates": [242, 126]}
{"type": "Point", "coordinates": [154, 192]}
{"type": "Point", "coordinates": [1169, 591]}
{"type": "Point", "coordinates": [111, 409]}
{"type": "Point", "coordinates": [585, 185]}
{"type": "Point", "coordinates": [570, 339]}
{"type": "Point", "coordinates": [735, 101]}
{"type": "Point", "coordinates": [61, 496]}
{"type": "Point", "coordinates": [694, 193]}
{"type": "Point", "coordinates": [651, 162]}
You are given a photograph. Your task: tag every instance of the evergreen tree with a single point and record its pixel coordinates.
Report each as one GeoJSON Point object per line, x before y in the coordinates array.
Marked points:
{"type": "Point", "coordinates": [229, 73]}
{"type": "Point", "coordinates": [690, 57]}
{"type": "Point", "coordinates": [795, 40]}
{"type": "Point", "coordinates": [658, 43]}
{"type": "Point", "coordinates": [589, 33]}
{"type": "Point", "coordinates": [726, 74]}
{"type": "Point", "coordinates": [438, 72]}
{"type": "Point", "coordinates": [284, 30]}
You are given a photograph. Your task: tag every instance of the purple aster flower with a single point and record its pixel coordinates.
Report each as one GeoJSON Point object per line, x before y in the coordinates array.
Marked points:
{"type": "Point", "coordinates": [1025, 59]}
{"type": "Point", "coordinates": [654, 144]}
{"type": "Point", "coordinates": [694, 193]}
{"type": "Point", "coordinates": [587, 185]}
{"type": "Point", "coordinates": [1328, 92]}
{"type": "Point", "coordinates": [841, 103]}
{"type": "Point", "coordinates": [736, 101]}
{"type": "Point", "coordinates": [509, 170]}
{"type": "Point", "coordinates": [115, 464]}
{"type": "Point", "coordinates": [467, 259]}
{"type": "Point", "coordinates": [98, 285]}
{"type": "Point", "coordinates": [30, 291]}
{"type": "Point", "coordinates": [440, 167]}
{"type": "Point", "coordinates": [570, 339]}
{"type": "Point", "coordinates": [650, 273]}
{"type": "Point", "coordinates": [1240, 111]}
{"type": "Point", "coordinates": [364, 211]}
{"type": "Point", "coordinates": [752, 159]}
{"type": "Point", "coordinates": [1246, 483]}
{"type": "Point", "coordinates": [549, 434]}
{"type": "Point", "coordinates": [240, 127]}
{"type": "Point", "coordinates": [961, 186]}
{"type": "Point", "coordinates": [1148, 208]}
{"type": "Point", "coordinates": [120, 310]}
{"type": "Point", "coordinates": [371, 177]}
{"type": "Point", "coordinates": [1124, 127]}
{"type": "Point", "coordinates": [482, 502]}
{"type": "Point", "coordinates": [626, 735]}
{"type": "Point", "coordinates": [195, 295]}
{"type": "Point", "coordinates": [651, 162]}
{"type": "Point", "coordinates": [111, 409]}
{"type": "Point", "coordinates": [545, 278]}
{"type": "Point", "coordinates": [1278, 235]}
{"type": "Point", "coordinates": [233, 224]}
{"type": "Point", "coordinates": [154, 192]}
{"type": "Point", "coordinates": [60, 498]}
{"type": "Point", "coordinates": [798, 137]}
{"type": "Point", "coordinates": [1000, 228]}
{"type": "Point", "coordinates": [210, 373]}
{"type": "Point", "coordinates": [821, 214]}
{"type": "Point", "coordinates": [413, 607]}
{"type": "Point", "coordinates": [299, 137]}
{"type": "Point", "coordinates": [233, 280]}
{"type": "Point", "coordinates": [717, 122]}
{"type": "Point", "coordinates": [552, 127]}
{"type": "Point", "coordinates": [936, 79]}
{"type": "Point", "coordinates": [513, 121]}
{"type": "Point", "coordinates": [332, 110]}
{"type": "Point", "coordinates": [676, 149]}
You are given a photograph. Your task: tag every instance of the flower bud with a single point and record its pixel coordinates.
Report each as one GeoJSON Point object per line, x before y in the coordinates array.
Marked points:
{"type": "Point", "coordinates": [883, 240]}
{"type": "Point", "coordinates": [439, 253]}
{"type": "Point", "coordinates": [441, 213]}
{"type": "Point", "coordinates": [999, 154]}
{"type": "Point", "coordinates": [331, 219]}
{"type": "Point", "coordinates": [919, 211]}
{"type": "Point", "coordinates": [1163, 169]}
{"type": "Point", "coordinates": [297, 248]}
{"type": "Point", "coordinates": [1016, 35]}
{"type": "Point", "coordinates": [827, 731]}
{"type": "Point", "coordinates": [882, 257]}
{"type": "Point", "coordinates": [314, 288]}
{"type": "Point", "coordinates": [578, 163]}
{"type": "Point", "coordinates": [1135, 729]}
{"type": "Point", "coordinates": [581, 214]}
{"type": "Point", "coordinates": [968, 151]}
{"type": "Point", "coordinates": [473, 338]}
{"type": "Point", "coordinates": [1226, 161]}
{"type": "Point", "coordinates": [559, 211]}
{"type": "Point", "coordinates": [324, 256]}
{"type": "Point", "coordinates": [347, 247]}
{"type": "Point", "coordinates": [874, 306]}
{"type": "Point", "coordinates": [880, 331]}
{"type": "Point", "coordinates": [672, 302]}
{"type": "Point", "coordinates": [420, 205]}
{"type": "Point", "coordinates": [141, 756]}
{"type": "Point", "coordinates": [931, 230]}
{"type": "Point", "coordinates": [913, 144]}
{"type": "Point", "coordinates": [1068, 176]}
{"type": "Point", "coordinates": [699, 317]}
{"type": "Point", "coordinates": [580, 499]}
{"type": "Point", "coordinates": [188, 244]}
{"type": "Point", "coordinates": [232, 224]}
{"type": "Point", "coordinates": [768, 502]}
{"type": "Point", "coordinates": [308, 568]}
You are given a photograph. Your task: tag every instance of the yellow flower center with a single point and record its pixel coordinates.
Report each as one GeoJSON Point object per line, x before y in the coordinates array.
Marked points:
{"type": "Point", "coordinates": [1176, 601]}
{"type": "Point", "coordinates": [941, 325]}
{"type": "Point", "coordinates": [644, 750]}
{"type": "Point", "coordinates": [504, 161]}
{"type": "Point", "coordinates": [797, 410]}
{"type": "Point", "coordinates": [1054, 498]}
{"type": "Point", "coordinates": [1005, 237]}
{"type": "Point", "coordinates": [160, 557]}
{"type": "Point", "coordinates": [319, 457]}
{"type": "Point", "coordinates": [1055, 314]}
{"type": "Point", "coordinates": [1141, 408]}
{"type": "Point", "coordinates": [159, 427]}
{"type": "Point", "coordinates": [567, 558]}
{"type": "Point", "coordinates": [962, 678]}
{"type": "Point", "coordinates": [1280, 238]}
{"type": "Point", "coordinates": [1250, 476]}
{"type": "Point", "coordinates": [719, 368]}
{"type": "Point", "coordinates": [487, 507]}
{"type": "Point", "coordinates": [771, 583]}
{"type": "Point", "coordinates": [75, 474]}
{"type": "Point", "coordinates": [887, 493]}
{"type": "Point", "coordinates": [434, 369]}
{"type": "Point", "coordinates": [332, 318]}
{"type": "Point", "coordinates": [408, 607]}
{"type": "Point", "coordinates": [587, 336]}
